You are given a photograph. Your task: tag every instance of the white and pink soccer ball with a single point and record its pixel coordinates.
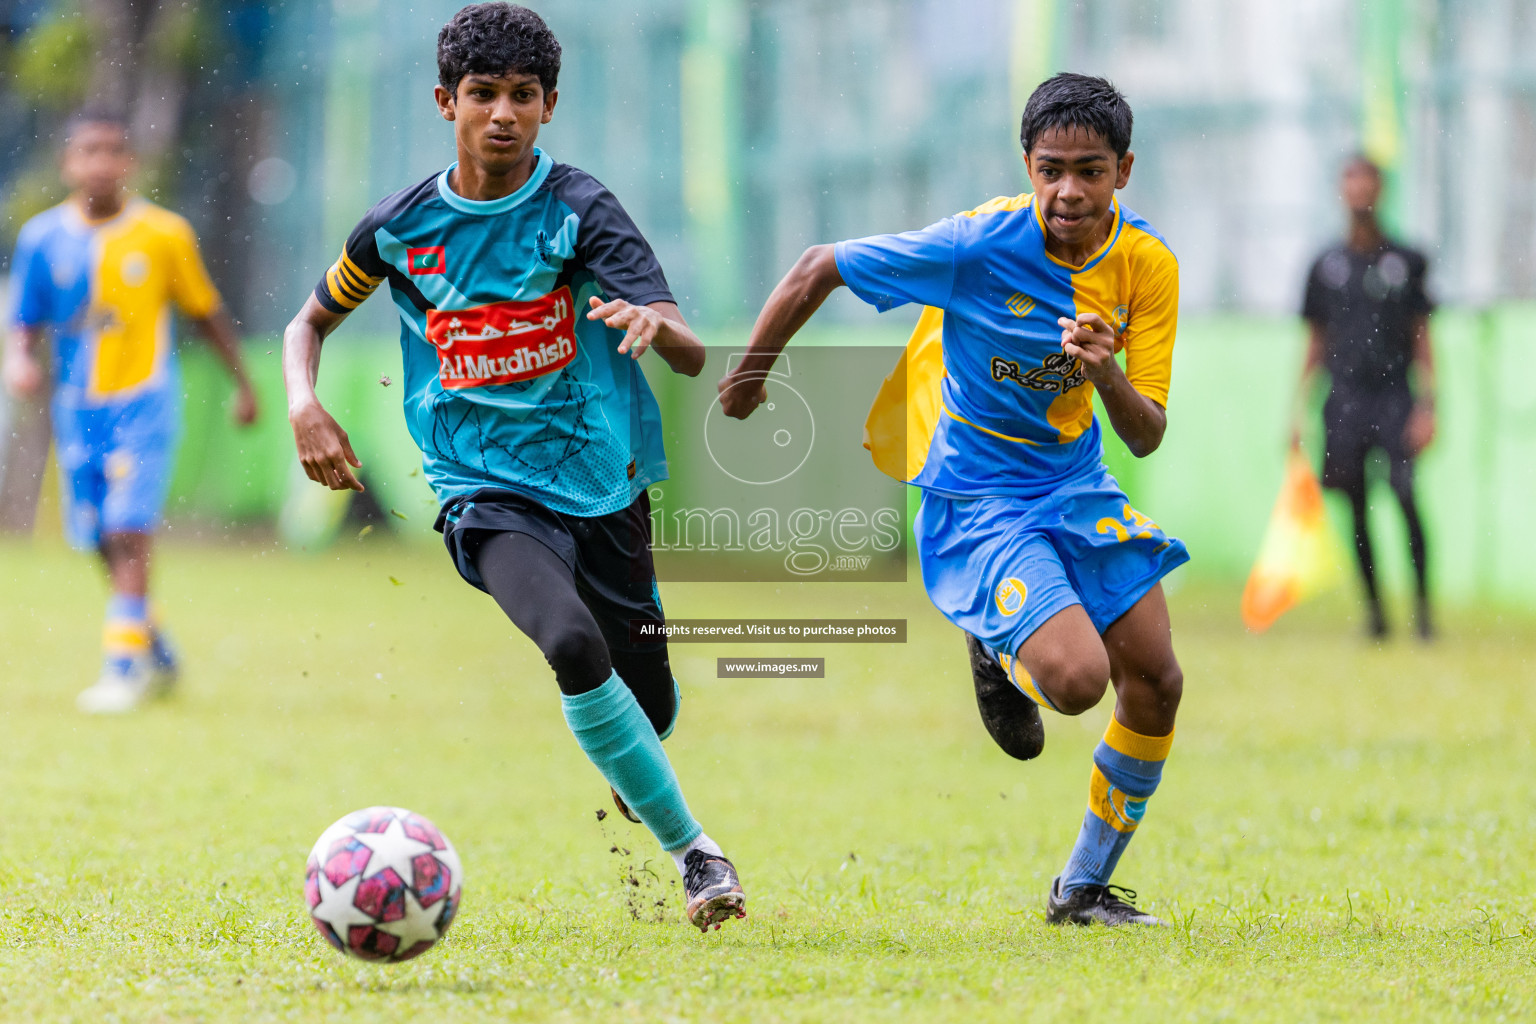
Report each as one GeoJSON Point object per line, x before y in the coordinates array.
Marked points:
{"type": "Point", "coordinates": [383, 884]}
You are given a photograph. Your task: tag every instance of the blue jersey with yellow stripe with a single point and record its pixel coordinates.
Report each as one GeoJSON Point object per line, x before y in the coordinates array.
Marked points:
{"type": "Point", "coordinates": [106, 291]}
{"type": "Point", "coordinates": [984, 401]}
{"type": "Point", "coordinates": [507, 384]}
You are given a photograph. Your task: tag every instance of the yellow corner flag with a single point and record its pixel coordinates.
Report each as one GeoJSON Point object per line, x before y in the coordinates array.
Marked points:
{"type": "Point", "coordinates": [1300, 554]}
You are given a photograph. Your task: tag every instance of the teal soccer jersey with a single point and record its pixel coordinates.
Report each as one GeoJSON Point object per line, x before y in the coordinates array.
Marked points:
{"type": "Point", "coordinates": [507, 383]}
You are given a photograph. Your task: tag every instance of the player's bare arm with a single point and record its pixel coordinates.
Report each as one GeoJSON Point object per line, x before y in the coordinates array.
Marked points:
{"type": "Point", "coordinates": [23, 371]}
{"type": "Point", "coordinates": [1138, 420]}
{"type": "Point", "coordinates": [799, 295]}
{"type": "Point", "coordinates": [218, 329]}
{"type": "Point", "coordinates": [324, 450]}
{"type": "Point", "coordinates": [658, 325]}
{"type": "Point", "coordinates": [1421, 424]}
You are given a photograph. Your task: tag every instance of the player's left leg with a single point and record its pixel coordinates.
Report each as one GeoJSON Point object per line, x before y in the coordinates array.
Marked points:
{"type": "Point", "coordinates": [616, 577]}
{"type": "Point", "coordinates": [1402, 486]}
{"type": "Point", "coordinates": [1394, 437]}
{"type": "Point", "coordinates": [127, 670]}
{"type": "Point", "coordinates": [1127, 765]}
{"type": "Point", "coordinates": [537, 590]}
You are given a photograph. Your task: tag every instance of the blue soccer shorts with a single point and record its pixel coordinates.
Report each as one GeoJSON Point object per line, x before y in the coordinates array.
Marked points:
{"type": "Point", "coordinates": [115, 467]}
{"type": "Point", "coordinates": [999, 567]}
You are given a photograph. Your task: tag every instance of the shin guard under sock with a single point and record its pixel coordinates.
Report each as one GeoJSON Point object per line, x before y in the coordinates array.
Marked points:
{"type": "Point", "coordinates": [1127, 767]}
{"type": "Point", "coordinates": [619, 739]}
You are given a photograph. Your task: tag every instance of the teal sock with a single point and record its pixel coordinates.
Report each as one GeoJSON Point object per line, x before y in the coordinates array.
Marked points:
{"type": "Point", "coordinates": [617, 737]}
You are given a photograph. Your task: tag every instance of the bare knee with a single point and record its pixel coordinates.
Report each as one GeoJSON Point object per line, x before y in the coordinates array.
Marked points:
{"type": "Point", "coordinates": [1074, 684]}
{"type": "Point", "coordinates": [1168, 686]}
{"type": "Point", "coordinates": [1152, 695]}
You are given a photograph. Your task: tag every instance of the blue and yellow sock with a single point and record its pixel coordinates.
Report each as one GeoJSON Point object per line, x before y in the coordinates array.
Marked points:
{"type": "Point", "coordinates": [1127, 767]}
{"type": "Point", "coordinates": [125, 636]}
{"type": "Point", "coordinates": [160, 649]}
{"type": "Point", "coordinates": [615, 734]}
{"type": "Point", "coordinates": [1023, 680]}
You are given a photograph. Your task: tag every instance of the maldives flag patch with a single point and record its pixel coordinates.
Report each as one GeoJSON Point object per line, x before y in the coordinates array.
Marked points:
{"type": "Point", "coordinates": [429, 259]}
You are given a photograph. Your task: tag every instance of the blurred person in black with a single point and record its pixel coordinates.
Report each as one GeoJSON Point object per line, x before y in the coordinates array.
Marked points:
{"type": "Point", "coordinates": [1367, 315]}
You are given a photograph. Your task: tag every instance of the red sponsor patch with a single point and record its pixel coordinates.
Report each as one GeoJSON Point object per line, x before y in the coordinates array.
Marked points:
{"type": "Point", "coordinates": [427, 259]}
{"type": "Point", "coordinates": [504, 342]}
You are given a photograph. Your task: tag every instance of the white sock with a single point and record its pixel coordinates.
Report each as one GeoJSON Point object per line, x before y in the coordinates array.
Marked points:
{"type": "Point", "coordinates": [702, 842]}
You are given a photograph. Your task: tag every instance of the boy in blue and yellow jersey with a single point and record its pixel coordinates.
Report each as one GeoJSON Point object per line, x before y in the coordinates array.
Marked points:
{"type": "Point", "coordinates": [101, 276]}
{"type": "Point", "coordinates": [1025, 540]}
{"type": "Point", "coordinates": [525, 295]}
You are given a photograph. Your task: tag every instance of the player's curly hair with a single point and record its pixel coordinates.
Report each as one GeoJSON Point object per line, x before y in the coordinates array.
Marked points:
{"type": "Point", "coordinates": [1069, 100]}
{"type": "Point", "coordinates": [497, 39]}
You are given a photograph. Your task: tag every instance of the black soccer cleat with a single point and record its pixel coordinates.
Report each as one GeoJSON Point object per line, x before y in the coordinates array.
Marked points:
{"type": "Point", "coordinates": [713, 890]}
{"type": "Point", "coordinates": [1012, 718]}
{"type": "Point", "coordinates": [623, 807]}
{"type": "Point", "coordinates": [1095, 904]}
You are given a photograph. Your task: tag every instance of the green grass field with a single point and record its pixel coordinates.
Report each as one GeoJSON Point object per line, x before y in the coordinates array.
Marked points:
{"type": "Point", "coordinates": [1343, 833]}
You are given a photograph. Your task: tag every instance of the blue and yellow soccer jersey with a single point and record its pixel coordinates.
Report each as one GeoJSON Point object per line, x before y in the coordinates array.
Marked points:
{"type": "Point", "coordinates": [985, 402]}
{"type": "Point", "coordinates": [105, 290]}
{"type": "Point", "coordinates": [507, 383]}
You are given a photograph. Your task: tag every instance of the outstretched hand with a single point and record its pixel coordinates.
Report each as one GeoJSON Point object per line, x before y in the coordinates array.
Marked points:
{"type": "Point", "coordinates": [324, 450]}
{"type": "Point", "coordinates": [639, 323]}
{"type": "Point", "coordinates": [1089, 340]}
{"type": "Point", "coordinates": [740, 395]}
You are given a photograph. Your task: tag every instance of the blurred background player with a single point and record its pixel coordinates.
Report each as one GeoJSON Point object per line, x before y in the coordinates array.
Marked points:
{"type": "Point", "coordinates": [1025, 540]}
{"type": "Point", "coordinates": [1367, 316]}
{"type": "Point", "coordinates": [539, 432]}
{"type": "Point", "coordinates": [98, 276]}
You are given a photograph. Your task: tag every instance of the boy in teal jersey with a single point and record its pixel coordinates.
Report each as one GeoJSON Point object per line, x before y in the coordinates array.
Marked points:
{"type": "Point", "coordinates": [525, 295]}
{"type": "Point", "coordinates": [1025, 540]}
{"type": "Point", "coordinates": [101, 277]}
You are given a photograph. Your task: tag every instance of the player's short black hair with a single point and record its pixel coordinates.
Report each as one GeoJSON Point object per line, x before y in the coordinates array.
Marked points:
{"type": "Point", "coordinates": [1069, 100]}
{"type": "Point", "coordinates": [96, 113]}
{"type": "Point", "coordinates": [497, 39]}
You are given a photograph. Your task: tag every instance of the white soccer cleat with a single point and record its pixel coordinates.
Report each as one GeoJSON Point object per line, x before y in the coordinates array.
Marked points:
{"type": "Point", "coordinates": [121, 688]}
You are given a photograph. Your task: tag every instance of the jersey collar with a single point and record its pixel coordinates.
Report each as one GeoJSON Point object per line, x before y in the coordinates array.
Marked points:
{"type": "Point", "coordinates": [77, 210]}
{"type": "Point", "coordinates": [1099, 254]}
{"type": "Point", "coordinates": [541, 168]}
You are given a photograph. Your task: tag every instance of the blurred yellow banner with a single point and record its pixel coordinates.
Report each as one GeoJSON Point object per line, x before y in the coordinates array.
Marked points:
{"type": "Point", "coordinates": [1300, 555]}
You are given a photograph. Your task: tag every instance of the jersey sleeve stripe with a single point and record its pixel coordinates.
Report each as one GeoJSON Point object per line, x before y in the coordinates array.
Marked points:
{"type": "Point", "coordinates": [355, 273]}
{"type": "Point", "coordinates": [339, 292]}
{"type": "Point", "coordinates": [349, 280]}
{"type": "Point", "coordinates": [347, 284]}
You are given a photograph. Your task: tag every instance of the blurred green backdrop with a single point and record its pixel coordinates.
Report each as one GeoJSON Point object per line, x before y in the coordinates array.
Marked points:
{"type": "Point", "coordinates": [740, 131]}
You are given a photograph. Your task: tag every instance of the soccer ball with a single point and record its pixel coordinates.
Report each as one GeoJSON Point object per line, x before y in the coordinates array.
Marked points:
{"type": "Point", "coordinates": [383, 884]}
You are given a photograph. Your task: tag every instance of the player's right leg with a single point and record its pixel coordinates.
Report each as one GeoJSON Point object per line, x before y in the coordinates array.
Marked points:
{"type": "Point", "coordinates": [536, 588]}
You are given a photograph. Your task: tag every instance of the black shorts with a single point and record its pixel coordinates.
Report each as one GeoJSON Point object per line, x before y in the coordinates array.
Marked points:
{"type": "Point", "coordinates": [1353, 425]}
{"type": "Point", "coordinates": [609, 556]}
